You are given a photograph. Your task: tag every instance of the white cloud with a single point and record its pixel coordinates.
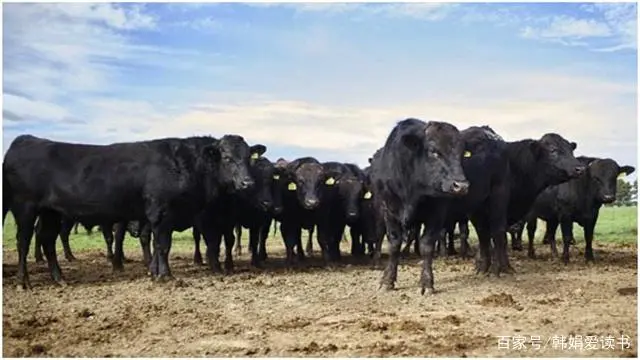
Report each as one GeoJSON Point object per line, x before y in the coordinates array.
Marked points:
{"type": "Point", "coordinates": [516, 105]}
{"type": "Point", "coordinates": [568, 27]}
{"type": "Point", "coordinates": [615, 22]}
{"type": "Point", "coordinates": [29, 109]}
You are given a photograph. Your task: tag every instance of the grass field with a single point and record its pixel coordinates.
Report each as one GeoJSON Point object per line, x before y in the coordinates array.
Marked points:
{"type": "Point", "coordinates": [318, 311]}
{"type": "Point", "coordinates": [615, 224]}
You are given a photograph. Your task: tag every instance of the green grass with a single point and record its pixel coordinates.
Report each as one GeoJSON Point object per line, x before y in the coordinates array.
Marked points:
{"type": "Point", "coordinates": [615, 225]}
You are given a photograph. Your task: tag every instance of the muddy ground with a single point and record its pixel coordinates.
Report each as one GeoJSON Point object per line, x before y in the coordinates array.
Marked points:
{"type": "Point", "coordinates": [321, 312]}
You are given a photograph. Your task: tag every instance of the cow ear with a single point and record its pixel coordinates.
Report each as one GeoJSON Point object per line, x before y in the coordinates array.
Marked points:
{"type": "Point", "coordinates": [412, 142]}
{"type": "Point", "coordinates": [212, 150]}
{"type": "Point", "coordinates": [573, 146]}
{"type": "Point", "coordinates": [626, 170]}
{"type": "Point", "coordinates": [370, 160]}
{"type": "Point", "coordinates": [257, 150]}
{"type": "Point", "coordinates": [536, 149]}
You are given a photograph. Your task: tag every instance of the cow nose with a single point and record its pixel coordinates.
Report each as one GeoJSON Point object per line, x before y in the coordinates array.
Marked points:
{"type": "Point", "coordinates": [277, 209]}
{"type": "Point", "coordinates": [460, 187]}
{"type": "Point", "coordinates": [311, 202]}
{"type": "Point", "coordinates": [580, 169]}
{"type": "Point", "coordinates": [265, 204]}
{"type": "Point", "coordinates": [246, 183]}
{"type": "Point", "coordinates": [608, 198]}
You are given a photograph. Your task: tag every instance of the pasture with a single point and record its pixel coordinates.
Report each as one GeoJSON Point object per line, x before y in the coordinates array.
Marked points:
{"type": "Point", "coordinates": [316, 311]}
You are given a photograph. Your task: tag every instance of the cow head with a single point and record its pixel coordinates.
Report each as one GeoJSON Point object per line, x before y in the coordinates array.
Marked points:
{"type": "Point", "coordinates": [306, 181]}
{"type": "Point", "coordinates": [603, 176]}
{"type": "Point", "coordinates": [435, 152]}
{"type": "Point", "coordinates": [278, 185]}
{"type": "Point", "coordinates": [554, 154]}
{"type": "Point", "coordinates": [262, 171]}
{"type": "Point", "coordinates": [233, 156]}
{"type": "Point", "coordinates": [351, 192]}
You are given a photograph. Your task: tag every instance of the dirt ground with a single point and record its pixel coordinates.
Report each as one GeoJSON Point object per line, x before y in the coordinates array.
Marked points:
{"type": "Point", "coordinates": [320, 312]}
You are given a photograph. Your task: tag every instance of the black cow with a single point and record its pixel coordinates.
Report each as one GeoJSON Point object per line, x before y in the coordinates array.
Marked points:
{"type": "Point", "coordinates": [578, 200]}
{"type": "Point", "coordinates": [251, 209]}
{"type": "Point", "coordinates": [273, 172]}
{"type": "Point", "coordinates": [505, 179]}
{"type": "Point", "coordinates": [418, 168]}
{"type": "Point", "coordinates": [165, 181]}
{"type": "Point", "coordinates": [341, 194]}
{"type": "Point", "coordinates": [303, 180]}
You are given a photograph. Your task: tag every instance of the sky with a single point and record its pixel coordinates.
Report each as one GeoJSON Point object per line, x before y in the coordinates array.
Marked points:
{"type": "Point", "coordinates": [323, 80]}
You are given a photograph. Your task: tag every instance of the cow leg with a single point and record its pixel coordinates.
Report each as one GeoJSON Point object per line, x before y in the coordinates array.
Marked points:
{"type": "Point", "coordinates": [451, 248]}
{"type": "Point", "coordinates": [464, 239]}
{"type": "Point", "coordinates": [406, 250]}
{"type": "Point", "coordinates": [197, 255]}
{"type": "Point", "coordinates": [229, 241]}
{"type": "Point", "coordinates": [255, 233]}
{"type": "Point", "coordinates": [379, 232]}
{"type": "Point", "coordinates": [588, 229]}
{"type": "Point", "coordinates": [238, 229]}
{"type": "Point", "coordinates": [566, 226]}
{"type": "Point", "coordinates": [310, 242]}
{"type": "Point", "coordinates": [213, 239]}
{"type": "Point", "coordinates": [107, 233]}
{"type": "Point", "coordinates": [145, 243]}
{"type": "Point", "coordinates": [483, 259]}
{"type": "Point", "coordinates": [441, 240]}
{"type": "Point", "coordinates": [550, 235]}
{"type": "Point", "coordinates": [427, 241]}
{"type": "Point", "coordinates": [118, 253]}
{"type": "Point", "coordinates": [65, 231]}
{"type": "Point", "coordinates": [25, 216]}
{"type": "Point", "coordinates": [162, 241]}
{"type": "Point", "coordinates": [531, 233]}
{"type": "Point", "coordinates": [51, 223]}
{"type": "Point", "coordinates": [262, 247]}
{"type": "Point", "coordinates": [335, 240]}
{"type": "Point", "coordinates": [75, 228]}
{"type": "Point", "coordinates": [325, 239]}
{"type": "Point", "coordinates": [38, 245]}
{"type": "Point", "coordinates": [397, 235]}
{"type": "Point", "coordinates": [291, 234]}
{"type": "Point", "coordinates": [299, 252]}
{"type": "Point", "coordinates": [516, 237]}
{"type": "Point", "coordinates": [357, 241]}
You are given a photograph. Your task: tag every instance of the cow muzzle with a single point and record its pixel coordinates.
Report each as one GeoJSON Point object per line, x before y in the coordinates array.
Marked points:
{"type": "Point", "coordinates": [459, 188]}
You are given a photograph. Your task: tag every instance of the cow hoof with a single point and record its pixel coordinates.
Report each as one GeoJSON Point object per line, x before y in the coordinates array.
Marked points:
{"type": "Point", "coordinates": [508, 270]}
{"type": "Point", "coordinates": [25, 286]}
{"type": "Point", "coordinates": [531, 255]}
{"type": "Point", "coordinates": [163, 278]}
{"type": "Point", "coordinates": [118, 269]}
{"type": "Point", "coordinates": [385, 287]}
{"type": "Point", "coordinates": [71, 258]}
{"type": "Point", "coordinates": [39, 261]}
{"type": "Point", "coordinates": [427, 291]}
{"type": "Point", "coordinates": [517, 248]}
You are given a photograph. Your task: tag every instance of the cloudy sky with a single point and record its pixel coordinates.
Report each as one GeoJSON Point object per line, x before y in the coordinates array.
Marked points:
{"type": "Point", "coordinates": [326, 80]}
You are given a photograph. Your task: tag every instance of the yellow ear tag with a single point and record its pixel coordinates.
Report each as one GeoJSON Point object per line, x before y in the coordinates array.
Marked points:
{"type": "Point", "coordinates": [276, 177]}
{"type": "Point", "coordinates": [330, 181]}
{"type": "Point", "coordinates": [255, 156]}
{"type": "Point", "coordinates": [622, 174]}
{"type": "Point", "coordinates": [292, 187]}
{"type": "Point", "coordinates": [367, 195]}
{"type": "Point", "coordinates": [467, 154]}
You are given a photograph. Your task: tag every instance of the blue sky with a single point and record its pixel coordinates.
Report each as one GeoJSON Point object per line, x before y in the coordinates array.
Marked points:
{"type": "Point", "coordinates": [326, 80]}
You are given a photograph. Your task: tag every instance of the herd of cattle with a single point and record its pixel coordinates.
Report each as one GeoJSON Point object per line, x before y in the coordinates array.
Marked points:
{"type": "Point", "coordinates": [428, 176]}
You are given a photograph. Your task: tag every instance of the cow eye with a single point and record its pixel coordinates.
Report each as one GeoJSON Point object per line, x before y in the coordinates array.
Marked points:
{"type": "Point", "coordinates": [554, 151]}
{"type": "Point", "coordinates": [434, 154]}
